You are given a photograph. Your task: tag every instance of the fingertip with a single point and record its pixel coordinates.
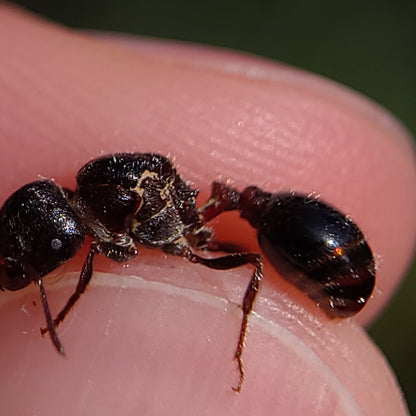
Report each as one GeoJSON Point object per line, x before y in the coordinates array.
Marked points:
{"type": "Point", "coordinates": [220, 116]}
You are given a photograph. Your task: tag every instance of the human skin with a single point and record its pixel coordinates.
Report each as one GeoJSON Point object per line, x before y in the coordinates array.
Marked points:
{"type": "Point", "coordinates": [158, 337]}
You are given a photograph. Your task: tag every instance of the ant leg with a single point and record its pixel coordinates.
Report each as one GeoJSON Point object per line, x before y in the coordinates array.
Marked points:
{"type": "Point", "coordinates": [223, 198]}
{"type": "Point", "coordinates": [230, 262]}
{"type": "Point", "coordinates": [121, 249]}
{"type": "Point", "coordinates": [84, 280]}
{"type": "Point", "coordinates": [16, 275]}
{"type": "Point", "coordinates": [51, 327]}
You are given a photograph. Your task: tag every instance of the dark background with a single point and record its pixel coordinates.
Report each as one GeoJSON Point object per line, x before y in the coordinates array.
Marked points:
{"type": "Point", "coordinates": [369, 46]}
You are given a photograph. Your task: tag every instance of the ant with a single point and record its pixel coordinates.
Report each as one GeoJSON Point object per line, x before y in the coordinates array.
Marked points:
{"type": "Point", "coordinates": [128, 199]}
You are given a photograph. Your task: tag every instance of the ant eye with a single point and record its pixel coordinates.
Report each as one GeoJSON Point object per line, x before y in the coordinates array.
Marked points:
{"type": "Point", "coordinates": [56, 244]}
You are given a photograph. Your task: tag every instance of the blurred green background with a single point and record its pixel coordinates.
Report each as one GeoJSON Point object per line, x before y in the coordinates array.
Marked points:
{"type": "Point", "coordinates": [369, 46]}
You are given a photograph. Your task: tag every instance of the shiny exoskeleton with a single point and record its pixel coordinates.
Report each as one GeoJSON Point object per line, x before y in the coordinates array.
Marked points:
{"type": "Point", "coordinates": [125, 200]}
{"type": "Point", "coordinates": [327, 254]}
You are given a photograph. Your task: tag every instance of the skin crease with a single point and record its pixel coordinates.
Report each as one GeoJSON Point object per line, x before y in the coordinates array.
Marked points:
{"type": "Point", "coordinates": [157, 337]}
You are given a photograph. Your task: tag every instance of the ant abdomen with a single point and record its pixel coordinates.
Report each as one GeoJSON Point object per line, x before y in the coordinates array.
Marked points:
{"type": "Point", "coordinates": [317, 248]}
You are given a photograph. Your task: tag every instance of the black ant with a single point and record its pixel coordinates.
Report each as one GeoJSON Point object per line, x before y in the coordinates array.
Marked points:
{"type": "Point", "coordinates": [124, 200]}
